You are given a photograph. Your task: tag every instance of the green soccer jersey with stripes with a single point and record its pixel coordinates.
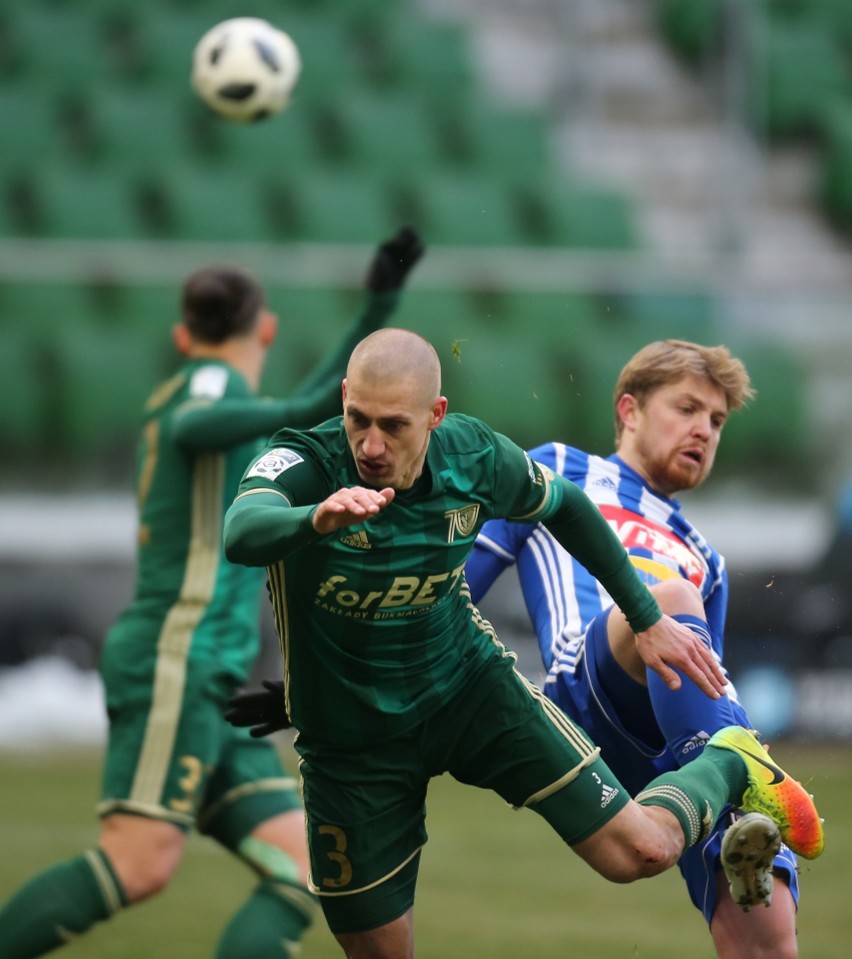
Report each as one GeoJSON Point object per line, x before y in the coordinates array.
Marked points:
{"type": "Point", "coordinates": [200, 429]}
{"type": "Point", "coordinates": [375, 620]}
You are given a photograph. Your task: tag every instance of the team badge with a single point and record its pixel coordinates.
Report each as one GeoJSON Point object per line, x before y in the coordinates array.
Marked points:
{"type": "Point", "coordinates": [272, 464]}
{"type": "Point", "coordinates": [462, 521]}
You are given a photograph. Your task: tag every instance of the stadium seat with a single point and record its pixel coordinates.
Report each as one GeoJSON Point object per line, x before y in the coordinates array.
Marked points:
{"type": "Point", "coordinates": [468, 210]}
{"type": "Point", "coordinates": [692, 27]}
{"type": "Point", "coordinates": [22, 394]}
{"type": "Point", "coordinates": [331, 208]}
{"type": "Point", "coordinates": [33, 112]}
{"type": "Point", "coordinates": [135, 128]}
{"type": "Point", "coordinates": [287, 145]}
{"type": "Point", "coordinates": [311, 321]}
{"type": "Point", "coordinates": [796, 69]}
{"type": "Point", "coordinates": [772, 430]}
{"type": "Point", "coordinates": [38, 309]}
{"type": "Point", "coordinates": [431, 56]}
{"type": "Point", "coordinates": [213, 206]}
{"type": "Point", "coordinates": [584, 216]}
{"type": "Point", "coordinates": [87, 204]}
{"type": "Point", "coordinates": [329, 60]}
{"type": "Point", "coordinates": [391, 132]}
{"type": "Point", "coordinates": [104, 376]}
{"type": "Point", "coordinates": [836, 175]}
{"type": "Point", "coordinates": [498, 140]}
{"type": "Point", "coordinates": [60, 48]}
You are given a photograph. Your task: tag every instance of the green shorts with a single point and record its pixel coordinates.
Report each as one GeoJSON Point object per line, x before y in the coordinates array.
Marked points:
{"type": "Point", "coordinates": [366, 806]}
{"type": "Point", "coordinates": [172, 756]}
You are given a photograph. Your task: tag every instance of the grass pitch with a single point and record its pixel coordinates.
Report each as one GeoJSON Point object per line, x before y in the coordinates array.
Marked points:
{"type": "Point", "coordinates": [493, 882]}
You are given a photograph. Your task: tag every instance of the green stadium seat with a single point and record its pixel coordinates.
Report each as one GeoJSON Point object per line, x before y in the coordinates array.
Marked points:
{"type": "Point", "coordinates": [584, 216]}
{"type": "Point", "coordinates": [30, 115]}
{"type": "Point", "coordinates": [148, 309]}
{"type": "Point", "coordinates": [330, 62]}
{"type": "Point", "coordinates": [22, 394]}
{"type": "Point", "coordinates": [391, 132]}
{"type": "Point", "coordinates": [60, 47]}
{"type": "Point", "coordinates": [332, 208]}
{"type": "Point", "coordinates": [693, 28]}
{"type": "Point", "coordinates": [797, 68]}
{"type": "Point", "coordinates": [135, 128]}
{"type": "Point", "coordinates": [773, 428]}
{"type": "Point", "coordinates": [286, 145]}
{"type": "Point", "coordinates": [213, 206]}
{"type": "Point", "coordinates": [559, 322]}
{"type": "Point", "coordinates": [430, 56]}
{"type": "Point", "coordinates": [468, 210]}
{"type": "Point", "coordinates": [38, 309]}
{"type": "Point", "coordinates": [836, 175]}
{"type": "Point", "coordinates": [499, 140]}
{"type": "Point", "coordinates": [103, 376]}
{"type": "Point", "coordinates": [449, 319]}
{"type": "Point", "coordinates": [87, 204]}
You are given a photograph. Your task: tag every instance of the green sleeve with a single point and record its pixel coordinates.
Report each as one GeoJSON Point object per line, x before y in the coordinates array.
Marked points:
{"type": "Point", "coordinates": [221, 424]}
{"type": "Point", "coordinates": [582, 530]}
{"type": "Point", "coordinates": [262, 528]}
{"type": "Point", "coordinates": [319, 392]}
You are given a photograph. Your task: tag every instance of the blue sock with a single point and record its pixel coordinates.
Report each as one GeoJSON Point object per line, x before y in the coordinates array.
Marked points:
{"type": "Point", "coordinates": [688, 717]}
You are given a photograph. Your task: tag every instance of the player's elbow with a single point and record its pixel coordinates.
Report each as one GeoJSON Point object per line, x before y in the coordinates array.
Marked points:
{"type": "Point", "coordinates": [237, 540]}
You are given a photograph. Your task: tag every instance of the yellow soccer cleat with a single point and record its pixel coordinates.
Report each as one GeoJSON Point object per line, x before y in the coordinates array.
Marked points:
{"type": "Point", "coordinates": [775, 794]}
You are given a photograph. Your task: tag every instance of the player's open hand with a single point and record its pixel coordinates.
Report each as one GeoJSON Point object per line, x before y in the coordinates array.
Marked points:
{"type": "Point", "coordinates": [669, 645]}
{"type": "Point", "coordinates": [394, 260]}
{"type": "Point", "coordinates": [350, 506]}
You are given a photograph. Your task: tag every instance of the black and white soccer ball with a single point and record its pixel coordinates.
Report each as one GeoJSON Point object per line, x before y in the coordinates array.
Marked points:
{"type": "Point", "coordinates": [245, 69]}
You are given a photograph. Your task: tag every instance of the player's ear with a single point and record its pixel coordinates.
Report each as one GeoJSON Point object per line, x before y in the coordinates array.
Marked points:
{"type": "Point", "coordinates": [439, 411]}
{"type": "Point", "coordinates": [182, 338]}
{"type": "Point", "coordinates": [267, 327]}
{"type": "Point", "coordinates": [626, 409]}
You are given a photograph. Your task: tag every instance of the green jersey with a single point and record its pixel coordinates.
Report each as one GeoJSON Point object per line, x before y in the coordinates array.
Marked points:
{"type": "Point", "coordinates": [200, 429]}
{"type": "Point", "coordinates": [375, 620]}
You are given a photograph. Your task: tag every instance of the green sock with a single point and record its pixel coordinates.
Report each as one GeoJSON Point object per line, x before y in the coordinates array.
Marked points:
{"type": "Point", "coordinates": [270, 923]}
{"type": "Point", "coordinates": [58, 905]}
{"type": "Point", "coordinates": [698, 792]}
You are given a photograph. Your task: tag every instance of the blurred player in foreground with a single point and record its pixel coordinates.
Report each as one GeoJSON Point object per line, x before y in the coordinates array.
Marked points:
{"type": "Point", "coordinates": [672, 400]}
{"type": "Point", "coordinates": [190, 637]}
{"type": "Point", "coordinates": [392, 676]}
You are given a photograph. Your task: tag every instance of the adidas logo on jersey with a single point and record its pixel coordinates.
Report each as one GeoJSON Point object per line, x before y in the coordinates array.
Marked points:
{"type": "Point", "coordinates": [356, 540]}
{"type": "Point", "coordinates": [608, 793]}
{"type": "Point", "coordinates": [605, 482]}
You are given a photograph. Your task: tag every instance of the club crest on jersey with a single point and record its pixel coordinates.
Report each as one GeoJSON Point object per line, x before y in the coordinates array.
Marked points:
{"type": "Point", "coordinates": [274, 463]}
{"type": "Point", "coordinates": [462, 521]}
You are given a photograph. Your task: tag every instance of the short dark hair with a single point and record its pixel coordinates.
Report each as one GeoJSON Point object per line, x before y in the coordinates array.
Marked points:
{"type": "Point", "coordinates": [219, 302]}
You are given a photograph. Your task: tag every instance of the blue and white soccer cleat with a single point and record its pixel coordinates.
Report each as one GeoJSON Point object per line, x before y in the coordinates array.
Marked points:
{"type": "Point", "coordinates": [749, 848]}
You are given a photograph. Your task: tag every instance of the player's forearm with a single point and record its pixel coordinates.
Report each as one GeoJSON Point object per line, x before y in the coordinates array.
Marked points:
{"type": "Point", "coordinates": [221, 424]}
{"type": "Point", "coordinates": [262, 528]}
{"type": "Point", "coordinates": [581, 529]}
{"type": "Point", "coordinates": [331, 370]}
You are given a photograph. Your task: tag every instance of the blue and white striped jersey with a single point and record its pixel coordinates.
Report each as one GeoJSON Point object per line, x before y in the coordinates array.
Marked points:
{"type": "Point", "coordinates": [561, 596]}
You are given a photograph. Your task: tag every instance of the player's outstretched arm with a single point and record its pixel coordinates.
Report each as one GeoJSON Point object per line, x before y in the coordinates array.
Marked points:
{"type": "Point", "coordinates": [317, 397]}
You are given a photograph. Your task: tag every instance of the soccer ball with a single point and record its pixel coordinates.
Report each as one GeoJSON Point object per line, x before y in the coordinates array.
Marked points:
{"type": "Point", "coordinates": [245, 69]}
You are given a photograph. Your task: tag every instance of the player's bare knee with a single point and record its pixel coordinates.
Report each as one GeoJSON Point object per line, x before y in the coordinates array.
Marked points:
{"type": "Point", "coordinates": [678, 596]}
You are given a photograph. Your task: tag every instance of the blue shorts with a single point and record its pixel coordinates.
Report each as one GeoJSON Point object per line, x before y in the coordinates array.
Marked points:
{"type": "Point", "coordinates": [634, 749]}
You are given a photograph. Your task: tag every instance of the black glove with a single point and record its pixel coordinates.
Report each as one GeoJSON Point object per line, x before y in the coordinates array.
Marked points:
{"type": "Point", "coordinates": [264, 712]}
{"type": "Point", "coordinates": [393, 260]}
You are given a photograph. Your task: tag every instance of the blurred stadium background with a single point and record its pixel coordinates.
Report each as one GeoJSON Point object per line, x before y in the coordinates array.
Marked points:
{"type": "Point", "coordinates": [589, 175]}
